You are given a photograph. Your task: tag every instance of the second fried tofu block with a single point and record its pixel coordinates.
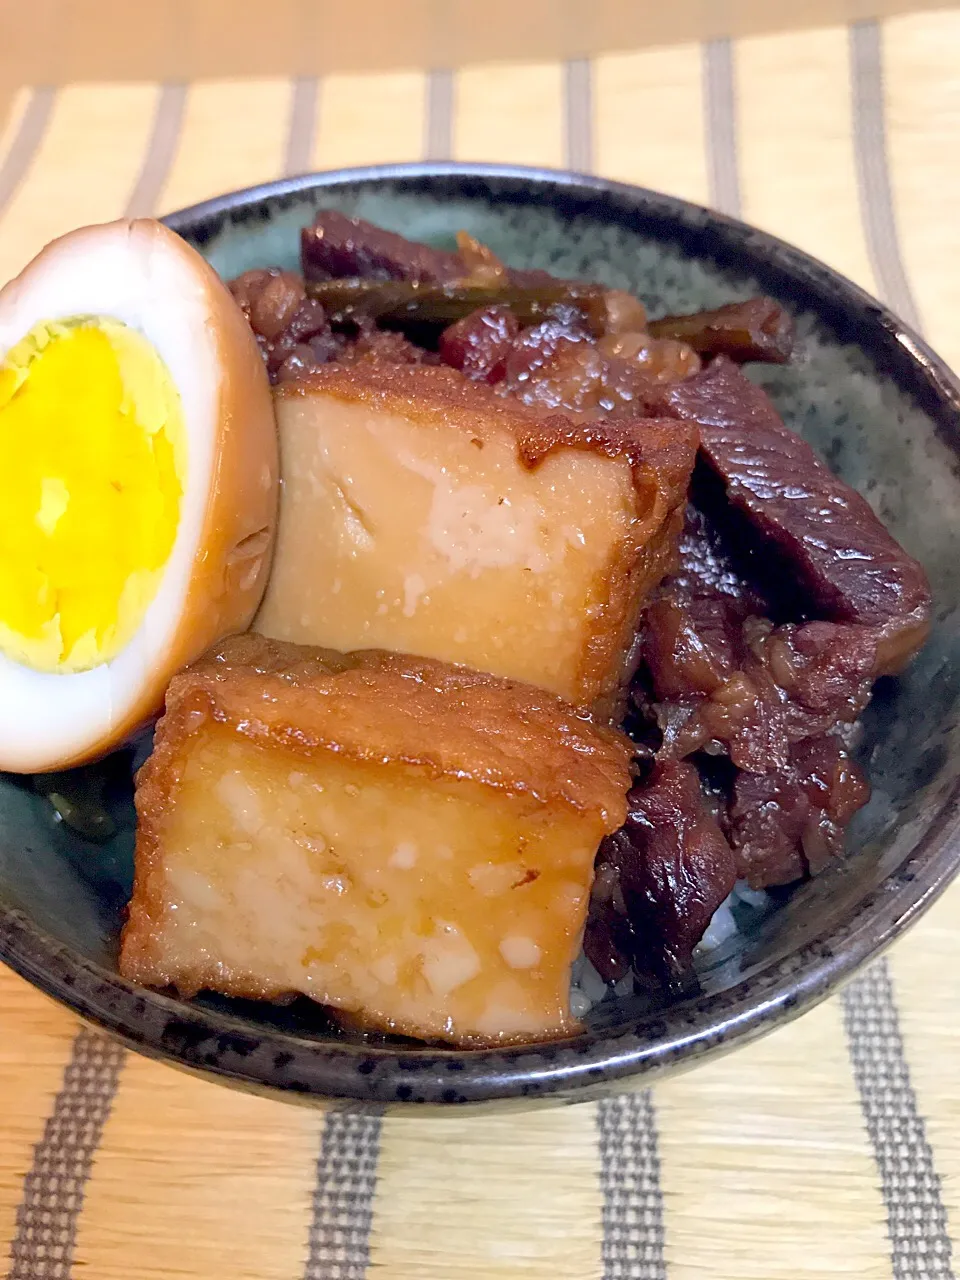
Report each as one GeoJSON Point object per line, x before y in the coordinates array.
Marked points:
{"type": "Point", "coordinates": [410, 843]}
{"type": "Point", "coordinates": [421, 513]}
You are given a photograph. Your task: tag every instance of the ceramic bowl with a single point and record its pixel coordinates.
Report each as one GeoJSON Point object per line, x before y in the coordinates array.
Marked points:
{"type": "Point", "coordinates": [876, 403]}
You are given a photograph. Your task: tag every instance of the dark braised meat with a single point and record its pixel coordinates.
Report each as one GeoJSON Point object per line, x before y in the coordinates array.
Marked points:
{"type": "Point", "coordinates": [842, 557]}
{"type": "Point", "coordinates": [292, 330]}
{"type": "Point", "coordinates": [758, 329]}
{"type": "Point", "coordinates": [294, 333]}
{"type": "Point", "coordinates": [720, 676]}
{"type": "Point", "coordinates": [559, 363]}
{"type": "Point", "coordinates": [479, 344]}
{"type": "Point", "coordinates": [381, 346]}
{"type": "Point", "coordinates": [787, 824]}
{"type": "Point", "coordinates": [660, 878]}
{"type": "Point", "coordinates": [335, 246]}
{"type": "Point", "coordinates": [787, 599]}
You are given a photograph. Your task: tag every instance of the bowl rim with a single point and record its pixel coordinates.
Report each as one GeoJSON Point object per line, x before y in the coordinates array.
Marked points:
{"type": "Point", "coordinates": [226, 1046]}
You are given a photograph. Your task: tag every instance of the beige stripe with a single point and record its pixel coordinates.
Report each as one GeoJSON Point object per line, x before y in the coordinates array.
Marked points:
{"type": "Point", "coordinates": [195, 1179]}
{"type": "Point", "coordinates": [503, 1195]}
{"type": "Point", "coordinates": [923, 141]}
{"type": "Point", "coordinates": [513, 114]}
{"type": "Point", "coordinates": [36, 1038]}
{"type": "Point", "coordinates": [234, 134]}
{"type": "Point", "coordinates": [83, 170]}
{"type": "Point", "coordinates": [766, 1165]}
{"type": "Point", "coordinates": [369, 119]}
{"type": "Point", "coordinates": [649, 120]}
{"type": "Point", "coordinates": [180, 39]}
{"type": "Point", "coordinates": [924, 968]}
{"type": "Point", "coordinates": [795, 123]}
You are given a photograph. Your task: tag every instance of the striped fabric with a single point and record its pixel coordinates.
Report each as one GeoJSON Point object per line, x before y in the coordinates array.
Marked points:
{"type": "Point", "coordinates": [830, 1148]}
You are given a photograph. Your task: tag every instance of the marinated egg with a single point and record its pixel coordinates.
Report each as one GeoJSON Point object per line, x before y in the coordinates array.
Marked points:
{"type": "Point", "coordinates": [138, 485]}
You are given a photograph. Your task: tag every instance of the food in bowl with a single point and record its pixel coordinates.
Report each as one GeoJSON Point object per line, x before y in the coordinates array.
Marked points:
{"type": "Point", "coordinates": [410, 842]}
{"type": "Point", "coordinates": [735, 635]}
{"type": "Point", "coordinates": [461, 525]}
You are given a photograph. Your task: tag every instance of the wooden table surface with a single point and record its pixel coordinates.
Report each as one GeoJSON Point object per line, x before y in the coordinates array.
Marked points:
{"type": "Point", "coordinates": [830, 1148]}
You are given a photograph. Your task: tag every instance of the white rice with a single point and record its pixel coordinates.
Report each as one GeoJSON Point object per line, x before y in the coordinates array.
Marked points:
{"type": "Point", "coordinates": [744, 904]}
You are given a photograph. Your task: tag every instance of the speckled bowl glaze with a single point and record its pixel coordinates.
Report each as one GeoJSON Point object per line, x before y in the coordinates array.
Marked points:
{"type": "Point", "coordinates": [881, 409]}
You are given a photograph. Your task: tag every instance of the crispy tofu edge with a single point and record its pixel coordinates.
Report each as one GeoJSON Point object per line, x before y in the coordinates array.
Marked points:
{"type": "Point", "coordinates": [197, 694]}
{"type": "Point", "coordinates": [660, 452]}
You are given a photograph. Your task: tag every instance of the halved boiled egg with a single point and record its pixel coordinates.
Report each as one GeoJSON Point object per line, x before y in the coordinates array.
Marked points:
{"type": "Point", "coordinates": [138, 485]}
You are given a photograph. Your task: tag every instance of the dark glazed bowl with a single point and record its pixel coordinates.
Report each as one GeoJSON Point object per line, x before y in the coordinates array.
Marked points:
{"type": "Point", "coordinates": [880, 407]}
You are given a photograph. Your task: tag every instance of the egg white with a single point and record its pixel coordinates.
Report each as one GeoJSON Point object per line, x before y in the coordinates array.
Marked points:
{"type": "Point", "coordinates": [137, 273]}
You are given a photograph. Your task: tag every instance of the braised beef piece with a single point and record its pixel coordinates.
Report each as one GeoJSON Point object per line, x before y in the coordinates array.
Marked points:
{"type": "Point", "coordinates": [843, 559]}
{"type": "Point", "coordinates": [756, 330]}
{"type": "Point", "coordinates": [479, 344]}
{"type": "Point", "coordinates": [720, 676]}
{"type": "Point", "coordinates": [560, 363]}
{"type": "Point", "coordinates": [295, 336]}
{"type": "Point", "coordinates": [291, 329]}
{"type": "Point", "coordinates": [381, 346]}
{"type": "Point", "coordinates": [659, 879]}
{"type": "Point", "coordinates": [336, 246]}
{"type": "Point", "coordinates": [787, 824]}
{"type": "Point", "coordinates": [750, 689]}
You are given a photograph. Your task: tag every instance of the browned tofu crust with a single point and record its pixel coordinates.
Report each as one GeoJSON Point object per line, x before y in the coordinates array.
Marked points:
{"type": "Point", "coordinates": [385, 709]}
{"type": "Point", "coordinates": [391, 708]}
{"type": "Point", "coordinates": [661, 454]}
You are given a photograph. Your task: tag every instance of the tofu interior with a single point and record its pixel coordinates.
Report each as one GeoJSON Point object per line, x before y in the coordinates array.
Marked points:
{"type": "Point", "coordinates": [421, 905]}
{"type": "Point", "coordinates": [415, 525]}
{"type": "Point", "coordinates": [410, 843]}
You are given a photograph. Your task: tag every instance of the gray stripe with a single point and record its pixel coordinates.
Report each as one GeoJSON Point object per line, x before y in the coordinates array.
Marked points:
{"type": "Point", "coordinates": [339, 1242]}
{"type": "Point", "coordinates": [630, 1183]}
{"type": "Point", "coordinates": [161, 149]}
{"type": "Point", "coordinates": [438, 136]}
{"type": "Point", "coordinates": [303, 126]}
{"type": "Point", "coordinates": [916, 1218]}
{"type": "Point", "coordinates": [53, 1190]}
{"type": "Point", "coordinates": [578, 115]}
{"type": "Point", "coordinates": [720, 120]}
{"type": "Point", "coordinates": [26, 143]}
{"type": "Point", "coordinates": [873, 171]}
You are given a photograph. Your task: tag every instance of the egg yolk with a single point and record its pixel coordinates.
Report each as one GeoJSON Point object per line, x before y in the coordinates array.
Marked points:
{"type": "Point", "coordinates": [93, 447]}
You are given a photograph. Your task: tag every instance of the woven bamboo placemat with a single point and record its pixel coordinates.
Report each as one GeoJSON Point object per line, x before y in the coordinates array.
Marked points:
{"type": "Point", "coordinates": [833, 1146]}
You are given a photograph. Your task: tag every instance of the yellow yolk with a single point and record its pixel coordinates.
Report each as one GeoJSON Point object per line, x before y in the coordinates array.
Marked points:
{"type": "Point", "coordinates": [92, 470]}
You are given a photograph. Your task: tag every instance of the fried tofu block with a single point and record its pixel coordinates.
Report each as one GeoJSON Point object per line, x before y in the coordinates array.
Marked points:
{"type": "Point", "coordinates": [422, 513]}
{"type": "Point", "coordinates": [408, 842]}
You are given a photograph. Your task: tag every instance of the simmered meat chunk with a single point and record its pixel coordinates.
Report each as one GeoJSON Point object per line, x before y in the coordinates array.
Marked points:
{"type": "Point", "coordinates": [561, 363]}
{"type": "Point", "coordinates": [791, 822]}
{"type": "Point", "coordinates": [844, 559]}
{"type": "Point", "coordinates": [757, 329]}
{"type": "Point", "coordinates": [336, 246]}
{"type": "Point", "coordinates": [723, 675]}
{"type": "Point", "coordinates": [479, 344]}
{"type": "Point", "coordinates": [659, 879]}
{"type": "Point", "coordinates": [292, 330]}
